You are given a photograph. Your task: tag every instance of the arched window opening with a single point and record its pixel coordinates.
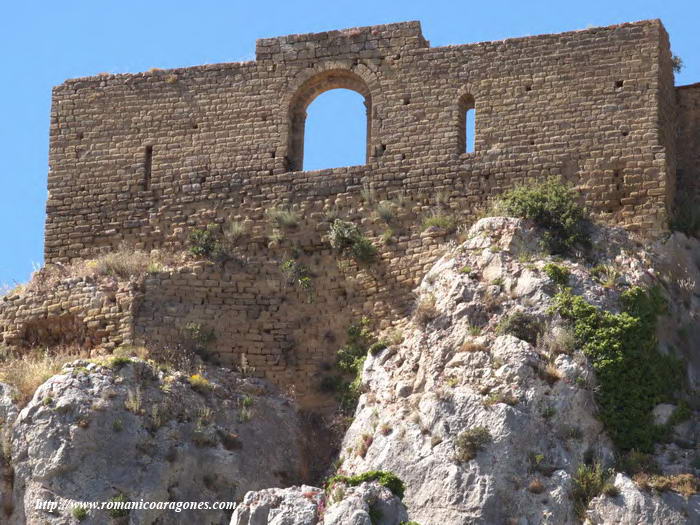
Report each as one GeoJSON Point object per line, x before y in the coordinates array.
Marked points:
{"type": "Point", "coordinates": [466, 125]}
{"type": "Point", "coordinates": [338, 131]}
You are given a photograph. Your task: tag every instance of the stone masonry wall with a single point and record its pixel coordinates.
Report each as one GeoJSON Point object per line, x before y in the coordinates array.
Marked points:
{"type": "Point", "coordinates": [140, 160]}
{"type": "Point", "coordinates": [689, 140]}
{"type": "Point", "coordinates": [81, 312]}
{"type": "Point", "coordinates": [584, 105]}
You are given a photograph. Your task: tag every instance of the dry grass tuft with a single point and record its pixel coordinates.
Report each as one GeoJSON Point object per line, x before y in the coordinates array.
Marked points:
{"type": "Point", "coordinates": [550, 374]}
{"type": "Point", "coordinates": [685, 484]}
{"type": "Point", "coordinates": [536, 486]}
{"type": "Point", "coordinates": [27, 371]}
{"type": "Point", "coordinates": [124, 263]}
{"type": "Point", "coordinates": [425, 310]}
{"type": "Point", "coordinates": [469, 346]}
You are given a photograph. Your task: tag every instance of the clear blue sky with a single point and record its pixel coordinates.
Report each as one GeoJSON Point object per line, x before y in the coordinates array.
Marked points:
{"type": "Point", "coordinates": [43, 43]}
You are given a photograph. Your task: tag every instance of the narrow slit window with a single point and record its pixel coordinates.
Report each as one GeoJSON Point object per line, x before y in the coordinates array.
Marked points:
{"type": "Point", "coordinates": [470, 117]}
{"type": "Point", "coordinates": [466, 127]}
{"type": "Point", "coordinates": [148, 162]}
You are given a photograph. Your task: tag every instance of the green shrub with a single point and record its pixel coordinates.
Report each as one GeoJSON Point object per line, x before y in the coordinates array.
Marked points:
{"type": "Point", "coordinates": [197, 335]}
{"type": "Point", "coordinates": [345, 237]}
{"type": "Point", "coordinates": [633, 375]}
{"type": "Point", "coordinates": [350, 359]}
{"type": "Point", "coordinates": [557, 273]}
{"type": "Point", "coordinates": [590, 481]}
{"type": "Point", "coordinates": [635, 462]}
{"type": "Point", "coordinates": [681, 413]}
{"type": "Point", "coordinates": [439, 220]}
{"type": "Point", "coordinates": [79, 513]}
{"type": "Point", "coordinates": [118, 362]}
{"type": "Point", "coordinates": [521, 325]}
{"type": "Point", "coordinates": [552, 206]}
{"type": "Point", "coordinates": [377, 347]}
{"type": "Point", "coordinates": [207, 243]}
{"type": "Point", "coordinates": [471, 441]}
{"type": "Point", "coordinates": [119, 512]}
{"type": "Point", "coordinates": [384, 478]}
{"type": "Point", "coordinates": [298, 275]}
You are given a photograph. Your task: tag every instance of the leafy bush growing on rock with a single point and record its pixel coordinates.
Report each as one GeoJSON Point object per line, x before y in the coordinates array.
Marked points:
{"type": "Point", "coordinates": [200, 383]}
{"type": "Point", "coordinates": [557, 273]}
{"type": "Point", "coordinates": [350, 359]}
{"type": "Point", "coordinates": [552, 206]}
{"type": "Point", "coordinates": [471, 441]}
{"type": "Point", "coordinates": [383, 477]}
{"type": "Point", "coordinates": [521, 325]}
{"type": "Point", "coordinates": [345, 237]}
{"type": "Point", "coordinates": [79, 513]}
{"type": "Point", "coordinates": [622, 349]}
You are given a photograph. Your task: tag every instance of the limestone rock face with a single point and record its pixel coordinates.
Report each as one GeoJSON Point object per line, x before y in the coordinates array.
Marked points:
{"type": "Point", "coordinates": [483, 426]}
{"type": "Point", "coordinates": [365, 504]}
{"type": "Point", "coordinates": [633, 506]}
{"type": "Point", "coordinates": [130, 430]}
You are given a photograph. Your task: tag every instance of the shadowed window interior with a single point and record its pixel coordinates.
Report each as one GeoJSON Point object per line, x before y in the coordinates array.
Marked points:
{"type": "Point", "coordinates": [336, 130]}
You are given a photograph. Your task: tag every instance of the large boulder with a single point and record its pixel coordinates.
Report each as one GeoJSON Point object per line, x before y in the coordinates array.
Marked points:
{"type": "Point", "coordinates": [128, 430]}
{"type": "Point", "coordinates": [368, 503]}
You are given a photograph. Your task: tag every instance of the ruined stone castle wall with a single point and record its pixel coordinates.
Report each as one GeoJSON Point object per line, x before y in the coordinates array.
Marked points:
{"type": "Point", "coordinates": [689, 140]}
{"type": "Point", "coordinates": [141, 160]}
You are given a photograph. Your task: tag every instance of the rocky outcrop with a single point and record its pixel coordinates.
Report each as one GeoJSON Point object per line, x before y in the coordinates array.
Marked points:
{"type": "Point", "coordinates": [128, 430]}
{"type": "Point", "coordinates": [365, 504]}
{"type": "Point", "coordinates": [483, 426]}
{"type": "Point", "coordinates": [485, 408]}
{"type": "Point", "coordinates": [634, 506]}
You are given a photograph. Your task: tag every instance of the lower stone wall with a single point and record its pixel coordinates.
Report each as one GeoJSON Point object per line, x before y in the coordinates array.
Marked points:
{"type": "Point", "coordinates": [83, 312]}
{"type": "Point", "coordinates": [260, 321]}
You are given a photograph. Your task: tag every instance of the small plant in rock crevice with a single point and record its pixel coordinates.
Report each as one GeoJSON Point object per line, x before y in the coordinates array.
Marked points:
{"type": "Point", "coordinates": [590, 481]}
{"type": "Point", "coordinates": [441, 221]}
{"type": "Point", "coordinates": [558, 274]}
{"type": "Point", "coordinates": [521, 325]}
{"type": "Point", "coordinates": [298, 275]}
{"type": "Point", "coordinates": [470, 442]}
{"type": "Point", "coordinates": [384, 478]}
{"type": "Point", "coordinates": [426, 310]}
{"type": "Point", "coordinates": [283, 218]}
{"type": "Point", "coordinates": [207, 243]}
